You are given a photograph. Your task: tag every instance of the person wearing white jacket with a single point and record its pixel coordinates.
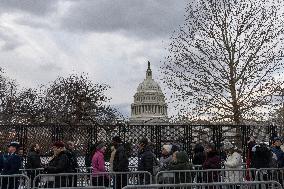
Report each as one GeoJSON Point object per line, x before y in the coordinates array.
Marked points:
{"type": "Point", "coordinates": [233, 161]}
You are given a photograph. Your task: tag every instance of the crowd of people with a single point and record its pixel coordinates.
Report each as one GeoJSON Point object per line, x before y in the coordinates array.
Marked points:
{"type": "Point", "coordinates": [205, 157]}
{"type": "Point", "coordinates": [172, 158]}
{"type": "Point", "coordinates": [63, 160]}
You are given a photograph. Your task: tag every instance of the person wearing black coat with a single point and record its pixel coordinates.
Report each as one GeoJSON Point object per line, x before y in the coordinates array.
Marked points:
{"type": "Point", "coordinates": [261, 157]}
{"type": "Point", "coordinates": [73, 161]}
{"type": "Point", "coordinates": [199, 155]}
{"type": "Point", "coordinates": [33, 162]}
{"type": "Point", "coordinates": [11, 165]}
{"type": "Point", "coordinates": [120, 163]}
{"type": "Point", "coordinates": [59, 164]}
{"type": "Point", "coordinates": [72, 156]}
{"type": "Point", "coordinates": [146, 160]}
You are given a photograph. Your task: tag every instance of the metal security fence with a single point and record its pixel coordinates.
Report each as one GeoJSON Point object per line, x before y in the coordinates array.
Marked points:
{"type": "Point", "coordinates": [235, 178]}
{"type": "Point", "coordinates": [223, 185]}
{"type": "Point", "coordinates": [106, 179]}
{"type": "Point", "coordinates": [209, 176]}
{"type": "Point", "coordinates": [185, 136]}
{"type": "Point", "coordinates": [14, 181]}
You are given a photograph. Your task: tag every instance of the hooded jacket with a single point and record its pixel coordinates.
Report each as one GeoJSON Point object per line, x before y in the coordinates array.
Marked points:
{"type": "Point", "coordinates": [181, 163]}
{"type": "Point", "coordinates": [98, 163]}
{"type": "Point", "coordinates": [120, 161]}
{"type": "Point", "coordinates": [146, 160]}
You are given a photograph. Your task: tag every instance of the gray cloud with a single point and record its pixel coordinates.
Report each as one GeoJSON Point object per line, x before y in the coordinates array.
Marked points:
{"type": "Point", "coordinates": [85, 36]}
{"type": "Point", "coordinates": [38, 7]}
{"type": "Point", "coordinates": [33, 23]}
{"type": "Point", "coordinates": [146, 18]}
{"type": "Point", "coordinates": [49, 67]}
{"type": "Point", "coordinates": [10, 42]}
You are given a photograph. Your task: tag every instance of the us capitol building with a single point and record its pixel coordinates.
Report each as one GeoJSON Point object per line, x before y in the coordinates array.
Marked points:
{"type": "Point", "coordinates": [149, 102]}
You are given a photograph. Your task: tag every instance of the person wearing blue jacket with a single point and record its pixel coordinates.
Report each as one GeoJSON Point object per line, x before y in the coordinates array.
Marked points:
{"type": "Point", "coordinates": [11, 165]}
{"type": "Point", "coordinates": [278, 151]}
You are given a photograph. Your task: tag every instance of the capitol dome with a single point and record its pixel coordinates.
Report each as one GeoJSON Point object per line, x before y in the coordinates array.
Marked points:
{"type": "Point", "coordinates": [149, 85]}
{"type": "Point", "coordinates": [149, 101]}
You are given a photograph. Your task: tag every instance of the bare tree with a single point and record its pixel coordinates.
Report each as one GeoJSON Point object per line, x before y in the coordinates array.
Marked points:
{"type": "Point", "coordinates": [29, 107]}
{"type": "Point", "coordinates": [224, 60]}
{"type": "Point", "coordinates": [76, 100]}
{"type": "Point", "coordinates": [8, 92]}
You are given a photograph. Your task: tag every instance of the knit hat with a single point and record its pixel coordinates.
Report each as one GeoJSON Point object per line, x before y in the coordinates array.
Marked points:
{"type": "Point", "coordinates": [167, 147]}
{"type": "Point", "coordinates": [58, 144]}
{"type": "Point", "coordinates": [228, 145]}
{"type": "Point", "coordinates": [100, 145]}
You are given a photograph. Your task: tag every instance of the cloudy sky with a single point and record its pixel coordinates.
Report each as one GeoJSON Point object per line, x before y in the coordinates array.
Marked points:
{"type": "Point", "coordinates": [111, 40]}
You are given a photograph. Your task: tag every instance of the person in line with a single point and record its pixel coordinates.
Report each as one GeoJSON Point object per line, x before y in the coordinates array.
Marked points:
{"type": "Point", "coordinates": [146, 160]}
{"type": "Point", "coordinates": [181, 162]}
{"type": "Point", "coordinates": [72, 156]}
{"type": "Point", "coordinates": [251, 144]}
{"type": "Point", "coordinates": [59, 163]}
{"type": "Point", "coordinates": [12, 164]}
{"type": "Point", "coordinates": [276, 149]}
{"type": "Point", "coordinates": [261, 158]}
{"type": "Point", "coordinates": [165, 161]}
{"type": "Point", "coordinates": [233, 161]}
{"type": "Point", "coordinates": [98, 165]}
{"type": "Point", "coordinates": [21, 153]}
{"type": "Point", "coordinates": [33, 162]}
{"type": "Point", "coordinates": [199, 157]}
{"type": "Point", "coordinates": [120, 163]}
{"type": "Point", "coordinates": [212, 161]}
